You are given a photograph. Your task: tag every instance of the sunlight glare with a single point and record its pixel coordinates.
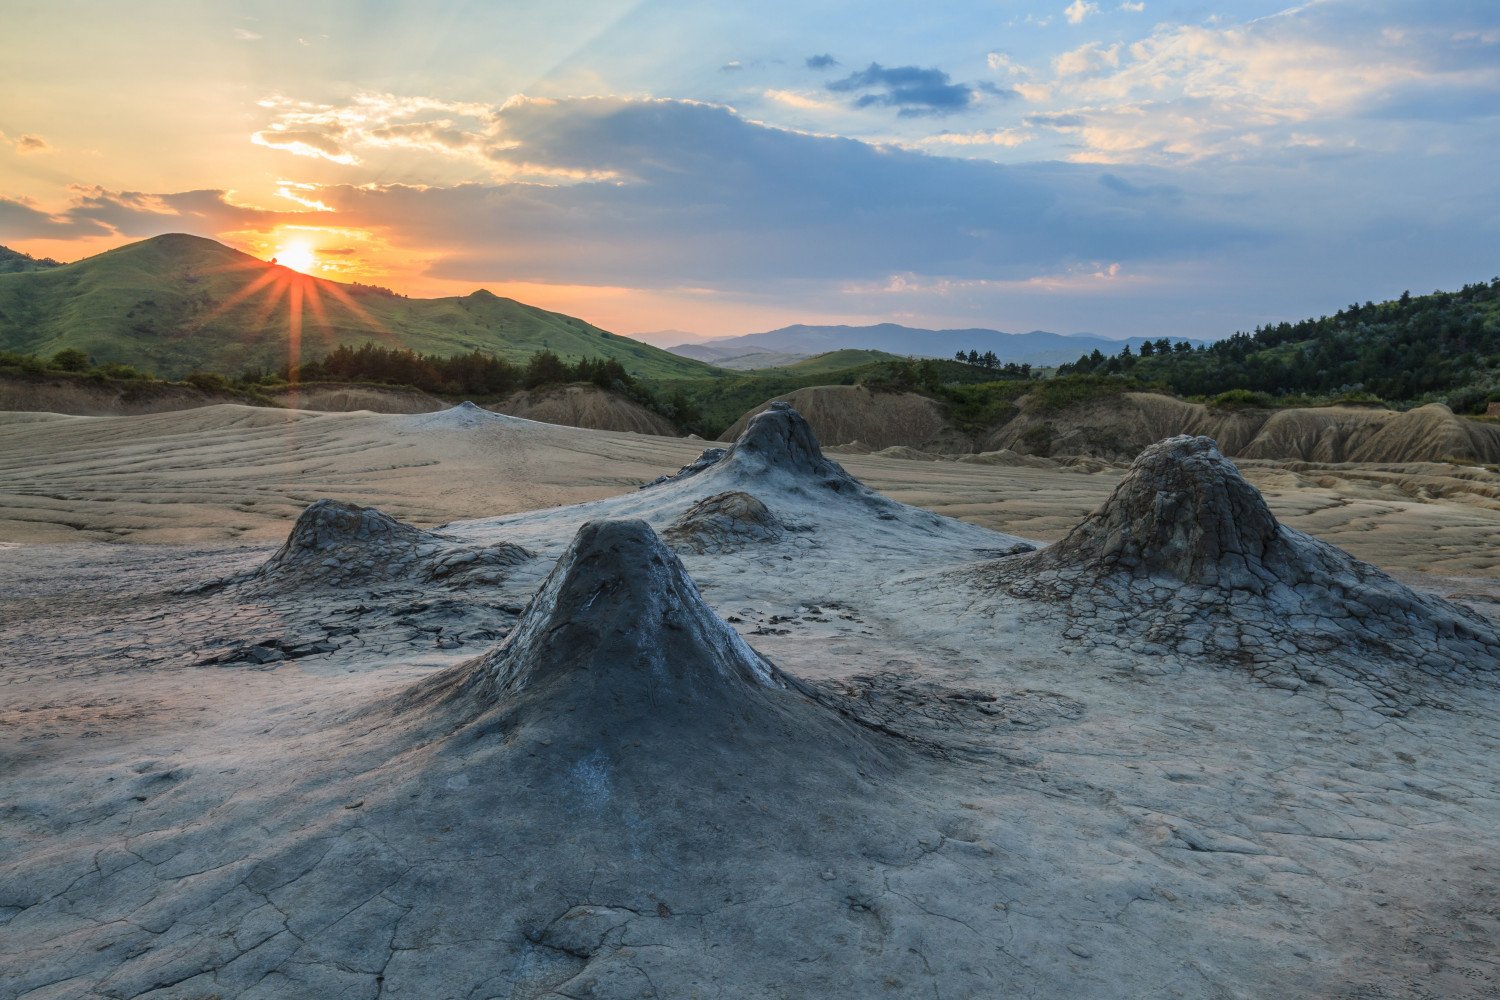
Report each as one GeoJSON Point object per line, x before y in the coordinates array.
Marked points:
{"type": "Point", "coordinates": [298, 257]}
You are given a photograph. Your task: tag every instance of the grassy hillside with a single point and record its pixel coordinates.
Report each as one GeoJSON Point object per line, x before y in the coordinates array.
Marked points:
{"type": "Point", "coordinates": [178, 303]}
{"type": "Point", "coordinates": [1440, 347]}
{"type": "Point", "coordinates": [833, 361]}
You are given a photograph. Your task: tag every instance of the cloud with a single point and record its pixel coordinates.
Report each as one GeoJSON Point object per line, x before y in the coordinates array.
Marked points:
{"type": "Point", "coordinates": [692, 194]}
{"type": "Point", "coordinates": [1006, 137]}
{"type": "Point", "coordinates": [799, 100]}
{"type": "Point", "coordinates": [97, 211]}
{"type": "Point", "coordinates": [316, 143]}
{"type": "Point", "coordinates": [21, 220]}
{"type": "Point", "coordinates": [1001, 61]}
{"type": "Point", "coordinates": [913, 90]}
{"type": "Point", "coordinates": [1091, 57]}
{"type": "Point", "coordinates": [30, 143]}
{"type": "Point", "coordinates": [1132, 8]}
{"type": "Point", "coordinates": [135, 213]}
{"type": "Point", "coordinates": [1076, 11]}
{"type": "Point", "coordinates": [824, 61]}
{"type": "Point", "coordinates": [1316, 76]}
{"type": "Point", "coordinates": [732, 66]}
{"type": "Point", "coordinates": [246, 35]}
{"type": "Point", "coordinates": [1058, 120]}
{"type": "Point", "coordinates": [1130, 189]}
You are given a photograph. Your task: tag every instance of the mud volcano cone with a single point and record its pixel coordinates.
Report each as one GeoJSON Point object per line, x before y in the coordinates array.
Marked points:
{"type": "Point", "coordinates": [781, 440]}
{"type": "Point", "coordinates": [619, 619]}
{"type": "Point", "coordinates": [1185, 556]}
{"type": "Point", "coordinates": [343, 544]}
{"type": "Point", "coordinates": [1183, 511]}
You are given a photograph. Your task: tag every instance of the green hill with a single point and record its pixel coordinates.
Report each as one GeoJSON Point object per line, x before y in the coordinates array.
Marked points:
{"type": "Point", "coordinates": [1439, 347]}
{"type": "Point", "coordinates": [832, 361]}
{"type": "Point", "coordinates": [176, 303]}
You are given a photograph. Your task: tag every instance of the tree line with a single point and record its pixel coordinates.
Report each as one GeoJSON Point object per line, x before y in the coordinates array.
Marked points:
{"type": "Point", "coordinates": [1444, 345]}
{"type": "Point", "coordinates": [990, 362]}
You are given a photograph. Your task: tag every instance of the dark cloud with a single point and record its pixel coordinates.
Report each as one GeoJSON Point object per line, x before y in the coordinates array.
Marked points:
{"type": "Point", "coordinates": [1055, 120]}
{"type": "Point", "coordinates": [134, 213]}
{"type": "Point", "coordinates": [823, 61]}
{"type": "Point", "coordinates": [913, 90]}
{"type": "Point", "coordinates": [1130, 189]}
{"type": "Point", "coordinates": [96, 211]}
{"type": "Point", "coordinates": [19, 220]}
{"type": "Point", "coordinates": [696, 195]}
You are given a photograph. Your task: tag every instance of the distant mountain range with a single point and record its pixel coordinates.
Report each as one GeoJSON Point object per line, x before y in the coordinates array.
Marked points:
{"type": "Point", "coordinates": [777, 347]}
{"type": "Point", "coordinates": [177, 303]}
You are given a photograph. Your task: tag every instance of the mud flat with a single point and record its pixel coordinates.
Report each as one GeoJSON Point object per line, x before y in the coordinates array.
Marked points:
{"type": "Point", "coordinates": [447, 705]}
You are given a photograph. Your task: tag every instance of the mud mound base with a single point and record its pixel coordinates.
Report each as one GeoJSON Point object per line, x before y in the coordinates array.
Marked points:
{"type": "Point", "coordinates": [335, 544]}
{"type": "Point", "coordinates": [724, 522]}
{"type": "Point", "coordinates": [1186, 557]}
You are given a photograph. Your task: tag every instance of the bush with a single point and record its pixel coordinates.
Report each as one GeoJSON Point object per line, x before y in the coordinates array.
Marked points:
{"type": "Point", "coordinates": [70, 359]}
{"type": "Point", "coordinates": [206, 381]}
{"type": "Point", "coordinates": [1356, 398]}
{"type": "Point", "coordinates": [1238, 399]}
{"type": "Point", "coordinates": [982, 405]}
{"type": "Point", "coordinates": [117, 370]}
{"type": "Point", "coordinates": [1472, 399]}
{"type": "Point", "coordinates": [1067, 391]}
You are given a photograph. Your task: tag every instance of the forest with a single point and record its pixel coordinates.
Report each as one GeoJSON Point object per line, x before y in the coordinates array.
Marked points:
{"type": "Point", "coordinates": [1444, 346]}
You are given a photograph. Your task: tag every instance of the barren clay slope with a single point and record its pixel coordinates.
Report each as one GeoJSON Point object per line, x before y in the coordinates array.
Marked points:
{"type": "Point", "coordinates": [1119, 428]}
{"type": "Point", "coordinates": [333, 397]}
{"type": "Point", "coordinates": [585, 406]}
{"type": "Point", "coordinates": [74, 394]}
{"type": "Point", "coordinates": [841, 414]}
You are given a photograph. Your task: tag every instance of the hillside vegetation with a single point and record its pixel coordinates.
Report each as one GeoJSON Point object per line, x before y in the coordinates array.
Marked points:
{"type": "Point", "coordinates": [175, 304]}
{"type": "Point", "coordinates": [1443, 347]}
{"type": "Point", "coordinates": [16, 262]}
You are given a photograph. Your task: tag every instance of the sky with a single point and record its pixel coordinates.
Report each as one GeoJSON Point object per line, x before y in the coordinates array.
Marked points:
{"type": "Point", "coordinates": [1122, 168]}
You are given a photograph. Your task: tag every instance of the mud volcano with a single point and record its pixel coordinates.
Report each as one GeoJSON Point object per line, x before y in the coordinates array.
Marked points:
{"type": "Point", "coordinates": [336, 544]}
{"type": "Point", "coordinates": [1185, 556]}
{"type": "Point", "coordinates": [777, 458]}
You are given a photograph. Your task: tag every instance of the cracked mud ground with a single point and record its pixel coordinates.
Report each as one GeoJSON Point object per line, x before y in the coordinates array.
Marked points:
{"type": "Point", "coordinates": [223, 780]}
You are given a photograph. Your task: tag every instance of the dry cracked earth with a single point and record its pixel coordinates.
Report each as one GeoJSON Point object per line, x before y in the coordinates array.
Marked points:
{"type": "Point", "coordinates": [753, 730]}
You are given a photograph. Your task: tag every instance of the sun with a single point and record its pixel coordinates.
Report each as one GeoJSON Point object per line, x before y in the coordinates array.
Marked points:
{"type": "Point", "coordinates": [298, 257]}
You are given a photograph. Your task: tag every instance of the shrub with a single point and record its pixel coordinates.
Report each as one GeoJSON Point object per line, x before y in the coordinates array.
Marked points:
{"type": "Point", "coordinates": [206, 381]}
{"type": "Point", "coordinates": [70, 359]}
{"type": "Point", "coordinates": [1238, 399]}
{"type": "Point", "coordinates": [1471, 399]}
{"type": "Point", "coordinates": [115, 369]}
{"type": "Point", "coordinates": [1067, 391]}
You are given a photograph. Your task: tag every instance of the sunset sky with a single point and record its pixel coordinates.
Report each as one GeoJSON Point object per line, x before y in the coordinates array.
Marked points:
{"type": "Point", "coordinates": [1115, 167]}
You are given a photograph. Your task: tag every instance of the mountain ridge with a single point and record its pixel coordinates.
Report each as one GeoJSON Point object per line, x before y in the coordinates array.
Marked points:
{"type": "Point", "coordinates": [1036, 347]}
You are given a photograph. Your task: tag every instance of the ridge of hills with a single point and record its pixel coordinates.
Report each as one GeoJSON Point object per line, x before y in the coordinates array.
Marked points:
{"type": "Point", "coordinates": [1037, 347]}
{"type": "Point", "coordinates": [176, 303]}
